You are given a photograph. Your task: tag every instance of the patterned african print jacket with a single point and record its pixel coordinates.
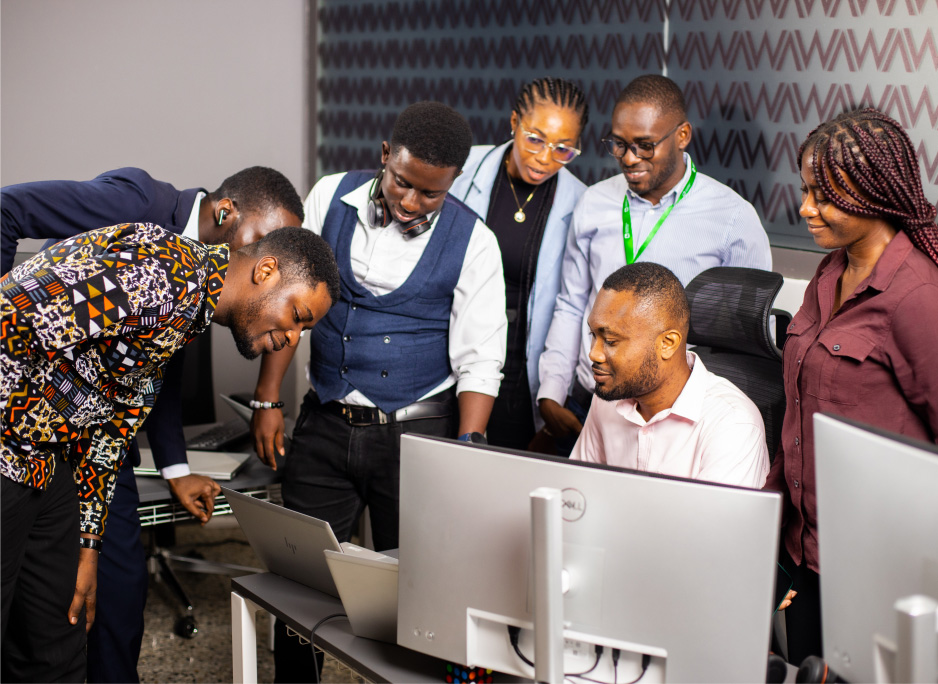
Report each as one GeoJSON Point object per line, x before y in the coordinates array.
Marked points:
{"type": "Point", "coordinates": [85, 330]}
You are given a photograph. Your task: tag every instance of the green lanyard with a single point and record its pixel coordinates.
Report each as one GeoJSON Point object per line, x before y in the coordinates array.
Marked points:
{"type": "Point", "coordinates": [630, 255]}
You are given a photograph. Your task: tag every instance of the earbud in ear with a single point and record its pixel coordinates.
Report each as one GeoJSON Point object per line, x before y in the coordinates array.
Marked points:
{"type": "Point", "coordinates": [221, 216]}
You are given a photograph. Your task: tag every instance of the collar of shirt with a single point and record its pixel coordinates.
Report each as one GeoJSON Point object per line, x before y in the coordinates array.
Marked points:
{"type": "Point", "coordinates": [671, 195]}
{"type": "Point", "coordinates": [688, 405]}
{"type": "Point", "coordinates": [216, 269]}
{"type": "Point", "coordinates": [191, 230]}
{"type": "Point", "coordinates": [883, 273]}
{"type": "Point", "coordinates": [359, 198]}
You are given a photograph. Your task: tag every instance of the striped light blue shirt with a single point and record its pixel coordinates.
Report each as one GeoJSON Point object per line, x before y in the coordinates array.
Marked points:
{"type": "Point", "coordinates": [711, 226]}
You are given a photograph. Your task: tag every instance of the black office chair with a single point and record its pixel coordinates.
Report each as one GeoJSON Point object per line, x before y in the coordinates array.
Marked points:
{"type": "Point", "coordinates": [730, 319]}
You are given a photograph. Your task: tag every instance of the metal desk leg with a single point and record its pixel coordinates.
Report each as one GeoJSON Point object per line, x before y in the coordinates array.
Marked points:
{"type": "Point", "coordinates": [243, 639]}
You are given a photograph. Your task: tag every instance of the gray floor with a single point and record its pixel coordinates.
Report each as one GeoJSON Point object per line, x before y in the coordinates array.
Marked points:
{"type": "Point", "coordinates": [166, 657]}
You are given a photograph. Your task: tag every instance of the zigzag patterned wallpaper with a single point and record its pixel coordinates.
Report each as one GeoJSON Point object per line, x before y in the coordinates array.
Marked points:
{"type": "Point", "coordinates": [758, 75]}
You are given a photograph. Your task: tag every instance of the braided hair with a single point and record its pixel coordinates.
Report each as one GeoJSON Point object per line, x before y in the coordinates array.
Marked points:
{"type": "Point", "coordinates": [871, 160]}
{"type": "Point", "coordinates": [561, 92]}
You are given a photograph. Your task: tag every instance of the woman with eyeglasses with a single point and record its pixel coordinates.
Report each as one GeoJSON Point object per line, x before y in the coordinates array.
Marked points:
{"type": "Point", "coordinates": [526, 196]}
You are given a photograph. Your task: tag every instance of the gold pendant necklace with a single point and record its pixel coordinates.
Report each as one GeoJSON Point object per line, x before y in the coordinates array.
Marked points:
{"type": "Point", "coordinates": [519, 215]}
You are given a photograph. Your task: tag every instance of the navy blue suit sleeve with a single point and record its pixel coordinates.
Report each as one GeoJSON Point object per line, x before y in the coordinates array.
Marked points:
{"type": "Point", "coordinates": [60, 209]}
{"type": "Point", "coordinates": [164, 423]}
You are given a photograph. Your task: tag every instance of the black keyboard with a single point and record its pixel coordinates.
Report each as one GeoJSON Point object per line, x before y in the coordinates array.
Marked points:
{"type": "Point", "coordinates": [223, 437]}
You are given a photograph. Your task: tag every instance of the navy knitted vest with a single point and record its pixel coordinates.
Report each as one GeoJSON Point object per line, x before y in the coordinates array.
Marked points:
{"type": "Point", "coordinates": [392, 348]}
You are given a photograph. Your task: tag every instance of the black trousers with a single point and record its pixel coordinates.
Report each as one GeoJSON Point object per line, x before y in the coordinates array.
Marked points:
{"type": "Point", "coordinates": [334, 470]}
{"type": "Point", "coordinates": [114, 639]}
{"type": "Point", "coordinates": [803, 616]}
{"type": "Point", "coordinates": [512, 422]}
{"type": "Point", "coordinates": [39, 546]}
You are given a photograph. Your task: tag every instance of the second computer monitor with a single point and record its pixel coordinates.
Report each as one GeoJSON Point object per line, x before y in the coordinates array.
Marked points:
{"type": "Point", "coordinates": [877, 537]}
{"type": "Point", "coordinates": [681, 570]}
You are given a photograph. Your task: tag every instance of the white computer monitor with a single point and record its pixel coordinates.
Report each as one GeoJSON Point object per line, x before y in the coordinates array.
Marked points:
{"type": "Point", "coordinates": [878, 539]}
{"type": "Point", "coordinates": [677, 569]}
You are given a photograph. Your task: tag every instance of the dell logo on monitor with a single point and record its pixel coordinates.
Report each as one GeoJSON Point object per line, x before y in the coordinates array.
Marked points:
{"type": "Point", "coordinates": [574, 504]}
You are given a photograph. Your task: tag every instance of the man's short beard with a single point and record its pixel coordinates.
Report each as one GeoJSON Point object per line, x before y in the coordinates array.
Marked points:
{"type": "Point", "coordinates": [642, 382]}
{"type": "Point", "coordinates": [240, 326]}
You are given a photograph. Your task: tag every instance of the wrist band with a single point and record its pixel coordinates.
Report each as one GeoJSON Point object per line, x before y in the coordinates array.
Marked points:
{"type": "Point", "coordinates": [89, 543]}
{"type": "Point", "coordinates": [254, 404]}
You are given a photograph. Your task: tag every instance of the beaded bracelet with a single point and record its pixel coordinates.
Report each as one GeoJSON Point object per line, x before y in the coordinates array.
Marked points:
{"type": "Point", "coordinates": [254, 404]}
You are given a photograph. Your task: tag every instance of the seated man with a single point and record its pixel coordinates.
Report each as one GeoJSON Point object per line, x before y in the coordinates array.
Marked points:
{"type": "Point", "coordinates": [657, 408]}
{"type": "Point", "coordinates": [244, 208]}
{"type": "Point", "coordinates": [86, 327]}
{"type": "Point", "coordinates": [662, 209]}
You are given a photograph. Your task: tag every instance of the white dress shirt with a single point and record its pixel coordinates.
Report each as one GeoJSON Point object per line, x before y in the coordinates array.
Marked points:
{"type": "Point", "coordinates": [382, 260]}
{"type": "Point", "coordinates": [711, 226]}
{"type": "Point", "coordinates": [712, 432]}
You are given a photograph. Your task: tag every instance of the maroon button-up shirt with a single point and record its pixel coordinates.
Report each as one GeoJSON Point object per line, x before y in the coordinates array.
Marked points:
{"type": "Point", "coordinates": [875, 360]}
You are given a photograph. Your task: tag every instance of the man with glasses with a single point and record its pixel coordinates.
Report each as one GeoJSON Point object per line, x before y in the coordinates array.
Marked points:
{"type": "Point", "coordinates": [661, 209]}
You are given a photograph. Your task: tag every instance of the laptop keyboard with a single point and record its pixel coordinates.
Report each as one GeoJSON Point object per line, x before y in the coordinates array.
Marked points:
{"type": "Point", "coordinates": [221, 437]}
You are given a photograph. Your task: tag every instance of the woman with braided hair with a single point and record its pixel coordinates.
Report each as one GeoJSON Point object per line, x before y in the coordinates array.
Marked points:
{"type": "Point", "coordinates": [861, 344]}
{"type": "Point", "coordinates": [526, 195]}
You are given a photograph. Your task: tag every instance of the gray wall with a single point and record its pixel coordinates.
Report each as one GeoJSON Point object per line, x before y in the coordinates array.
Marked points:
{"type": "Point", "coordinates": [190, 90]}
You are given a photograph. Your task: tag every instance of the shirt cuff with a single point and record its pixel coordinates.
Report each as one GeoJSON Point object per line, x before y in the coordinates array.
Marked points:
{"type": "Point", "coordinates": [92, 514]}
{"type": "Point", "coordinates": [551, 388]}
{"type": "Point", "coordinates": [175, 470]}
{"type": "Point", "coordinates": [476, 384]}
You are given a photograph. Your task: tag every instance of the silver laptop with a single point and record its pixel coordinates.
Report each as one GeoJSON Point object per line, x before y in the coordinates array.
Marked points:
{"type": "Point", "coordinates": [290, 544]}
{"type": "Point", "coordinates": [244, 411]}
{"type": "Point", "coordinates": [367, 584]}
{"type": "Point", "coordinates": [218, 465]}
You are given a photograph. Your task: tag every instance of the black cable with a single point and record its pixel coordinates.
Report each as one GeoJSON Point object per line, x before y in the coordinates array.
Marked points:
{"type": "Point", "coordinates": [646, 660]}
{"type": "Point", "coordinates": [599, 654]}
{"type": "Point", "coordinates": [312, 640]}
{"type": "Point", "coordinates": [513, 634]}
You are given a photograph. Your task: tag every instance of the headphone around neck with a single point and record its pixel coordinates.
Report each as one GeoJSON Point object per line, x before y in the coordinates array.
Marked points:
{"type": "Point", "coordinates": [379, 216]}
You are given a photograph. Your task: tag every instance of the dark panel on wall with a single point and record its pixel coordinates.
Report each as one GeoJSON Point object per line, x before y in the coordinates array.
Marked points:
{"type": "Point", "coordinates": [375, 58]}
{"type": "Point", "coordinates": [757, 75]}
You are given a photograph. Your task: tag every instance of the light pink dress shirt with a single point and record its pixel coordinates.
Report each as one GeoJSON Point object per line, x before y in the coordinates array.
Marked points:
{"type": "Point", "coordinates": [712, 432]}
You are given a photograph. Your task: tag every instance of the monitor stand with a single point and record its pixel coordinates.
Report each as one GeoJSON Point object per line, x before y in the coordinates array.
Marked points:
{"type": "Point", "coordinates": [914, 656]}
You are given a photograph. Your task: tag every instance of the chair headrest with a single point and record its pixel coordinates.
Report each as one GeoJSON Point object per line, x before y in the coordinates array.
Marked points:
{"type": "Point", "coordinates": [730, 309]}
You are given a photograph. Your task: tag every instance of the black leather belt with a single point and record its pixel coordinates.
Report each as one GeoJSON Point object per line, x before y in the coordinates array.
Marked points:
{"type": "Point", "coordinates": [438, 406]}
{"type": "Point", "coordinates": [581, 395]}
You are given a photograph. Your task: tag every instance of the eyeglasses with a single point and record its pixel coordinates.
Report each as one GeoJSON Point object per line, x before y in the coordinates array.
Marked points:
{"type": "Point", "coordinates": [642, 150]}
{"type": "Point", "coordinates": [563, 154]}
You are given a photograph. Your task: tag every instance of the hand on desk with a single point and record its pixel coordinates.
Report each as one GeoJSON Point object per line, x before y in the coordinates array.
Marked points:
{"type": "Point", "coordinates": [196, 493]}
{"type": "Point", "coordinates": [560, 421]}
{"type": "Point", "coordinates": [267, 428]}
{"type": "Point", "coordinates": [86, 588]}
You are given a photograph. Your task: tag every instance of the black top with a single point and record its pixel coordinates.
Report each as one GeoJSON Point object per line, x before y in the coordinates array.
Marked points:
{"type": "Point", "coordinates": [519, 242]}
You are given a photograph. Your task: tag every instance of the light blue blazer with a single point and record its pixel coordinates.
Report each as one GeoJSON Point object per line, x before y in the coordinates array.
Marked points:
{"type": "Point", "coordinates": [474, 187]}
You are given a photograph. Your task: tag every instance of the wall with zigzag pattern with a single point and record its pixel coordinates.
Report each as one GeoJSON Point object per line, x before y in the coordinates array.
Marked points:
{"type": "Point", "coordinates": [758, 75]}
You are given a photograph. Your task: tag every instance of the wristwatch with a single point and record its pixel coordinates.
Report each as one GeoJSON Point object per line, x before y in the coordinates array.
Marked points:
{"type": "Point", "coordinates": [473, 437]}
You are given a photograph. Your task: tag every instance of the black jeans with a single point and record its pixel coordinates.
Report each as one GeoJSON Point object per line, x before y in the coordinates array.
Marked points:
{"type": "Point", "coordinates": [40, 562]}
{"type": "Point", "coordinates": [334, 470]}
{"type": "Point", "coordinates": [512, 422]}
{"type": "Point", "coordinates": [803, 616]}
